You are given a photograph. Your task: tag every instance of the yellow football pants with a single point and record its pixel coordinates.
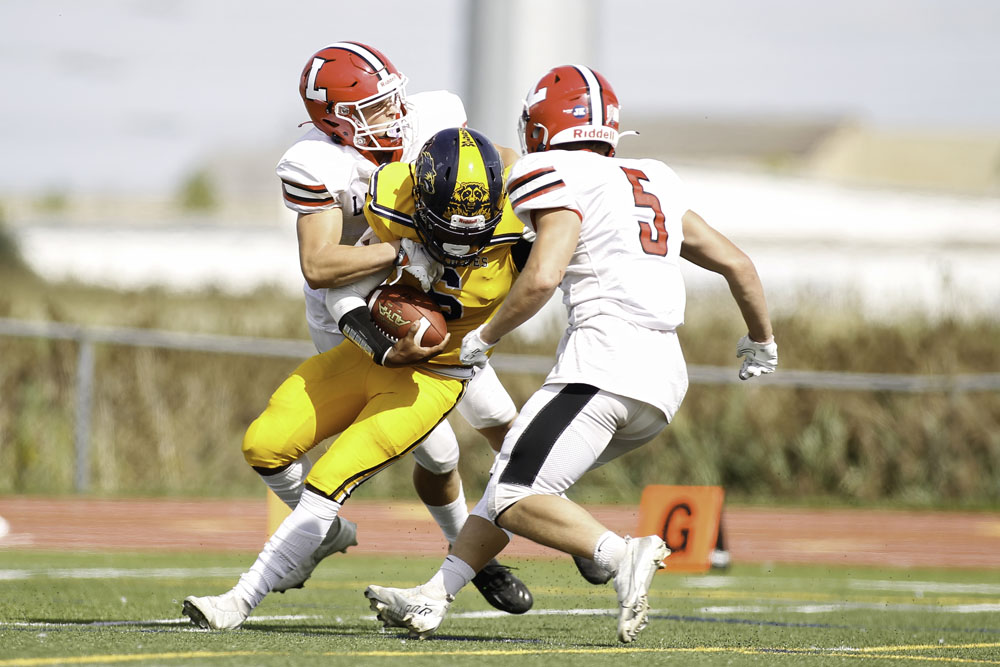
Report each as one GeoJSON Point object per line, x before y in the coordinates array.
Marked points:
{"type": "Point", "coordinates": [381, 414]}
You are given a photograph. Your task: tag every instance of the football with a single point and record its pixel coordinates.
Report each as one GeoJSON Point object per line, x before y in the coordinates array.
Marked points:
{"type": "Point", "coordinates": [395, 308]}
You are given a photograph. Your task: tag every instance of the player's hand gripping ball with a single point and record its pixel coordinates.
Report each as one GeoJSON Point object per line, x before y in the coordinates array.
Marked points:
{"type": "Point", "coordinates": [395, 308]}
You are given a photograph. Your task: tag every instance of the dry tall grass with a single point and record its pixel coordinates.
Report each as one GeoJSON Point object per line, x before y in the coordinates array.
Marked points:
{"type": "Point", "coordinates": [171, 422]}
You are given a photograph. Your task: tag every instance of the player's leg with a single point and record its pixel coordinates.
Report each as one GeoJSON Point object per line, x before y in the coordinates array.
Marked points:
{"type": "Point", "coordinates": [289, 482]}
{"type": "Point", "coordinates": [436, 478]}
{"type": "Point", "coordinates": [422, 609]}
{"type": "Point", "coordinates": [317, 401]}
{"type": "Point", "coordinates": [488, 407]}
{"type": "Point", "coordinates": [478, 543]}
{"type": "Point", "coordinates": [575, 428]}
{"type": "Point", "coordinates": [437, 481]}
{"type": "Point", "coordinates": [358, 454]}
{"type": "Point", "coordinates": [292, 419]}
{"type": "Point", "coordinates": [490, 410]}
{"type": "Point", "coordinates": [335, 384]}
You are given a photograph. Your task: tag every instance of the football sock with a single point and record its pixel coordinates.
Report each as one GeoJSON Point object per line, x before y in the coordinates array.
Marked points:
{"type": "Point", "coordinates": [455, 573]}
{"type": "Point", "coordinates": [294, 541]}
{"type": "Point", "coordinates": [288, 483]}
{"type": "Point", "coordinates": [451, 517]}
{"type": "Point", "coordinates": [610, 551]}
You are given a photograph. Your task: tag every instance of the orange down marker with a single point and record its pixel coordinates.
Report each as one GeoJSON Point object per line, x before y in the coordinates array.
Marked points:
{"type": "Point", "coordinates": [687, 518]}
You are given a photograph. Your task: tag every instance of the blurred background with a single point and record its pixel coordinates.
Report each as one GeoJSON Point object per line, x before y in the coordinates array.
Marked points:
{"type": "Point", "coordinates": [852, 149]}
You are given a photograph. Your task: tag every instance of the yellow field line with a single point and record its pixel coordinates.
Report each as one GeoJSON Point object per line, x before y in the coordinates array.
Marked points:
{"type": "Point", "coordinates": [884, 652]}
{"type": "Point", "coordinates": [919, 658]}
{"type": "Point", "coordinates": [911, 658]}
{"type": "Point", "coordinates": [926, 647]}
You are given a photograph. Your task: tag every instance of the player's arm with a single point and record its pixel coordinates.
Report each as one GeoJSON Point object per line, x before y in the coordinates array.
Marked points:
{"type": "Point", "coordinates": [558, 230]}
{"type": "Point", "coordinates": [349, 308]}
{"type": "Point", "coordinates": [709, 249]}
{"type": "Point", "coordinates": [327, 263]}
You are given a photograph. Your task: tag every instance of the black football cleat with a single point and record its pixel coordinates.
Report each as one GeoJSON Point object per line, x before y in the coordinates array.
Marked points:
{"type": "Point", "coordinates": [591, 571]}
{"type": "Point", "coordinates": [502, 589]}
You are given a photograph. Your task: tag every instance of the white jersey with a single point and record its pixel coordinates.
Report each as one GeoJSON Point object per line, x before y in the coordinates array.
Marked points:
{"type": "Point", "coordinates": [317, 174]}
{"type": "Point", "coordinates": [623, 286]}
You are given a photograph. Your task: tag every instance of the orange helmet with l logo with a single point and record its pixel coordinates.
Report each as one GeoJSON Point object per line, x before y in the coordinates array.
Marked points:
{"type": "Point", "coordinates": [356, 96]}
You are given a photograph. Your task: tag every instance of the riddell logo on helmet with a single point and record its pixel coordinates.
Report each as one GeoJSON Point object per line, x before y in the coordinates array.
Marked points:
{"type": "Point", "coordinates": [602, 133]}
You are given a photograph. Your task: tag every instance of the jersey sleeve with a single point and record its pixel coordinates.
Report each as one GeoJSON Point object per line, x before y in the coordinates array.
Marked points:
{"type": "Point", "coordinates": [446, 107]}
{"type": "Point", "coordinates": [389, 204]}
{"type": "Point", "coordinates": [535, 183]}
{"type": "Point", "coordinates": [429, 113]}
{"type": "Point", "coordinates": [313, 177]}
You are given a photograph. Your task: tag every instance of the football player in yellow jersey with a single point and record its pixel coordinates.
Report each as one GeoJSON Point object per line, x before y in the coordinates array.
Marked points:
{"type": "Point", "coordinates": [479, 265]}
{"type": "Point", "coordinates": [383, 397]}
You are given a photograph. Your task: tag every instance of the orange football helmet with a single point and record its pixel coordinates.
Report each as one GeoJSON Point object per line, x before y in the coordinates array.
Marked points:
{"type": "Point", "coordinates": [570, 103]}
{"type": "Point", "coordinates": [356, 96]}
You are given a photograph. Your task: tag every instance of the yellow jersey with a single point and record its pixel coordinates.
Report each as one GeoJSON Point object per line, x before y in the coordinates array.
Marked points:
{"type": "Point", "coordinates": [468, 295]}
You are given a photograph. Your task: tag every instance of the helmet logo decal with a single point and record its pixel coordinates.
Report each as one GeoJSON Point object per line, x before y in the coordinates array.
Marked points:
{"type": "Point", "coordinates": [469, 200]}
{"type": "Point", "coordinates": [579, 111]}
{"type": "Point", "coordinates": [424, 168]}
{"type": "Point", "coordinates": [536, 96]}
{"type": "Point", "coordinates": [312, 92]}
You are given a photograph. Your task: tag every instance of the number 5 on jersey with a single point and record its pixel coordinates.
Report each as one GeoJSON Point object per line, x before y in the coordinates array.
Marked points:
{"type": "Point", "coordinates": [652, 235]}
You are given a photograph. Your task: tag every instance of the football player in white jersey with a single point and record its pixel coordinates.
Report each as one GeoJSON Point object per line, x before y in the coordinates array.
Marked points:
{"type": "Point", "coordinates": [611, 233]}
{"type": "Point", "coordinates": [361, 118]}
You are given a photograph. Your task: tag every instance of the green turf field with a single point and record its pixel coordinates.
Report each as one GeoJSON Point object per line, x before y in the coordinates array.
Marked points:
{"type": "Point", "coordinates": [87, 609]}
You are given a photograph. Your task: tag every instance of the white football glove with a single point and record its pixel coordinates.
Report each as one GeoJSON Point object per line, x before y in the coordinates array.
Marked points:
{"type": "Point", "coordinates": [414, 259]}
{"type": "Point", "coordinates": [758, 358]}
{"type": "Point", "coordinates": [474, 349]}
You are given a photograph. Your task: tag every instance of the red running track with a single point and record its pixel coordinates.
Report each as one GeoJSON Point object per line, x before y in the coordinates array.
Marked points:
{"type": "Point", "coordinates": [754, 535]}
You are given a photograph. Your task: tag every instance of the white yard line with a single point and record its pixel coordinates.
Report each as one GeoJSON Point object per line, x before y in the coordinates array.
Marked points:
{"type": "Point", "coordinates": [119, 573]}
{"type": "Point", "coordinates": [833, 607]}
{"type": "Point", "coordinates": [919, 587]}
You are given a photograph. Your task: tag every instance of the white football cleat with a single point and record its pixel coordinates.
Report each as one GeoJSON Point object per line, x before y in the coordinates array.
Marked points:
{"type": "Point", "coordinates": [420, 610]}
{"type": "Point", "coordinates": [342, 534]}
{"type": "Point", "coordinates": [216, 612]}
{"type": "Point", "coordinates": [643, 557]}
